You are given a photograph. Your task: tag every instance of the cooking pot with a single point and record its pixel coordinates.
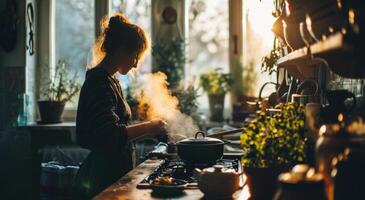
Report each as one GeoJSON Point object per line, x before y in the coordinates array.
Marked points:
{"type": "Point", "coordinates": [200, 151]}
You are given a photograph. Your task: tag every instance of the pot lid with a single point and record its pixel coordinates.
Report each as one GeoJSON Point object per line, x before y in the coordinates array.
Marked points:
{"type": "Point", "coordinates": [218, 172]}
{"type": "Point", "coordinates": [201, 140]}
{"type": "Point", "coordinates": [218, 169]}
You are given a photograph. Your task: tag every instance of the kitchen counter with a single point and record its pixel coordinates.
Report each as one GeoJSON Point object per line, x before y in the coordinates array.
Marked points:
{"type": "Point", "coordinates": [126, 187]}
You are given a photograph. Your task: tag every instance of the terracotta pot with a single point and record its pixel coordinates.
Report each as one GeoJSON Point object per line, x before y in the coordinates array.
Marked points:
{"type": "Point", "coordinates": [51, 111]}
{"type": "Point", "coordinates": [263, 182]}
{"type": "Point", "coordinates": [216, 107]}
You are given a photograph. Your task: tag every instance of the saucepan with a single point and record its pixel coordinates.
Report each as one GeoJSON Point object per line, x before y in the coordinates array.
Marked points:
{"type": "Point", "coordinates": [201, 150]}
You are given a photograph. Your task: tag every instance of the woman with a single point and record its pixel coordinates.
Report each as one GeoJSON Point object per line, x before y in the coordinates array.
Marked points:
{"type": "Point", "coordinates": [103, 113]}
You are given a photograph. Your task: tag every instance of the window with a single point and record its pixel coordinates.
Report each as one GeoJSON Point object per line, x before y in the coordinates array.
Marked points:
{"type": "Point", "coordinates": [74, 35]}
{"type": "Point", "coordinates": [259, 41]}
{"type": "Point", "coordinates": [208, 42]}
{"type": "Point", "coordinates": [139, 12]}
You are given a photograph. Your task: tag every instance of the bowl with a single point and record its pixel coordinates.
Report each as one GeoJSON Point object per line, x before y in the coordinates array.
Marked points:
{"type": "Point", "coordinates": [168, 186]}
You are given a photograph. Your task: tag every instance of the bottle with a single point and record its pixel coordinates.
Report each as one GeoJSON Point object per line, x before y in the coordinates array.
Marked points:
{"type": "Point", "coordinates": [348, 170]}
{"type": "Point", "coordinates": [333, 140]}
{"type": "Point", "coordinates": [22, 118]}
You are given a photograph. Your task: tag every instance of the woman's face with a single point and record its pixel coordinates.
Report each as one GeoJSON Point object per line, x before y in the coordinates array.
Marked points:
{"type": "Point", "coordinates": [127, 61]}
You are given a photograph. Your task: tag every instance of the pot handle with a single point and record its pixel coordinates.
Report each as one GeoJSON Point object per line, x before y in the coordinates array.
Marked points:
{"type": "Point", "coordinates": [197, 170]}
{"type": "Point", "coordinates": [199, 132]}
{"type": "Point", "coordinates": [226, 141]}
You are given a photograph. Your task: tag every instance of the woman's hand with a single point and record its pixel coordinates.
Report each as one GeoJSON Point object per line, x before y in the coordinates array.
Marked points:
{"type": "Point", "coordinates": [151, 128]}
{"type": "Point", "coordinates": [157, 127]}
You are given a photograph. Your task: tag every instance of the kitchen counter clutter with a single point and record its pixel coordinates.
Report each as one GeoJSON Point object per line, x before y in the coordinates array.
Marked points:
{"type": "Point", "coordinates": [127, 187]}
{"type": "Point", "coordinates": [276, 152]}
{"type": "Point", "coordinates": [183, 174]}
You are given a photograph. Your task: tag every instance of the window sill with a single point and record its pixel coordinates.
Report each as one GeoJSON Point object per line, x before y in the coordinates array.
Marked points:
{"type": "Point", "coordinates": [69, 115]}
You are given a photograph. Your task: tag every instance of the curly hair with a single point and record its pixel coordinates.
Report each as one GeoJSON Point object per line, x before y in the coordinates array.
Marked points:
{"type": "Point", "coordinates": [118, 32]}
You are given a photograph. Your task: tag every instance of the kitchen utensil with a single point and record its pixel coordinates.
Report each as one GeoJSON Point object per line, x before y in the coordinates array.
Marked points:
{"type": "Point", "coordinates": [200, 151]}
{"type": "Point", "coordinates": [323, 18]}
{"type": "Point", "coordinates": [312, 119]}
{"type": "Point", "coordinates": [336, 99]}
{"type": "Point", "coordinates": [223, 133]}
{"type": "Point", "coordinates": [308, 87]}
{"type": "Point", "coordinates": [292, 87]}
{"type": "Point", "coordinates": [302, 98]}
{"type": "Point", "coordinates": [305, 34]}
{"type": "Point", "coordinates": [294, 14]}
{"type": "Point", "coordinates": [217, 182]}
{"type": "Point", "coordinates": [306, 92]}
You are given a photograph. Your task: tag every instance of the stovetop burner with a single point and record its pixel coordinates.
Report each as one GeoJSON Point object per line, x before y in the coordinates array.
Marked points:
{"type": "Point", "coordinates": [176, 168]}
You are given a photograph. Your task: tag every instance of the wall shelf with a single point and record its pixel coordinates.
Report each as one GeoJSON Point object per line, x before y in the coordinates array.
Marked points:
{"type": "Point", "coordinates": [342, 57]}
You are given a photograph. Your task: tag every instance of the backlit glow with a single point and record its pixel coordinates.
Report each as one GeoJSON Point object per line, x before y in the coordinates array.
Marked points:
{"type": "Point", "coordinates": [261, 19]}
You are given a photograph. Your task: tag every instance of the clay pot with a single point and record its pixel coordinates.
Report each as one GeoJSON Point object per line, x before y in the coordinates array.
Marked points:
{"type": "Point", "coordinates": [263, 182]}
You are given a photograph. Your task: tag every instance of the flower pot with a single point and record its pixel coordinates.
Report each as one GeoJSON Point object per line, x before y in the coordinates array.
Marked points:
{"type": "Point", "coordinates": [263, 182]}
{"type": "Point", "coordinates": [216, 106]}
{"type": "Point", "coordinates": [51, 111]}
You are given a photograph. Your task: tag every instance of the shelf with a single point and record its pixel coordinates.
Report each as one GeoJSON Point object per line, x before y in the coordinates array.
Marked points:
{"type": "Point", "coordinates": [341, 56]}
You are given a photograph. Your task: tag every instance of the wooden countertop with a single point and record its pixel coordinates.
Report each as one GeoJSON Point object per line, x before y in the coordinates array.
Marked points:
{"type": "Point", "coordinates": [126, 187]}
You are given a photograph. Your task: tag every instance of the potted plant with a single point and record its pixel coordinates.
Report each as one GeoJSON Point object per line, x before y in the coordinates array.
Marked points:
{"type": "Point", "coordinates": [59, 89]}
{"type": "Point", "coordinates": [188, 103]}
{"type": "Point", "coordinates": [170, 59]}
{"type": "Point", "coordinates": [271, 145]}
{"type": "Point", "coordinates": [216, 84]}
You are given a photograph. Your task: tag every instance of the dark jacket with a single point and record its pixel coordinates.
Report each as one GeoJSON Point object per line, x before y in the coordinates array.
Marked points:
{"type": "Point", "coordinates": [102, 116]}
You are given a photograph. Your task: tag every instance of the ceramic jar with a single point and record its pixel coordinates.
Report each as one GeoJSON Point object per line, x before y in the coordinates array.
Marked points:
{"type": "Point", "coordinates": [301, 183]}
{"type": "Point", "coordinates": [332, 141]}
{"type": "Point", "coordinates": [217, 181]}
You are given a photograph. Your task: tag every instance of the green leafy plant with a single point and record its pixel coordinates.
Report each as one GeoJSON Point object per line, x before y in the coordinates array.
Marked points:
{"type": "Point", "coordinates": [188, 103]}
{"type": "Point", "coordinates": [61, 87]}
{"type": "Point", "coordinates": [269, 61]}
{"type": "Point", "coordinates": [275, 141]}
{"type": "Point", "coordinates": [170, 59]}
{"type": "Point", "coordinates": [215, 82]}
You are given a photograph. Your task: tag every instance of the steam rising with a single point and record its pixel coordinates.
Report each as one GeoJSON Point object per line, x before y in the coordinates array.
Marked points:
{"type": "Point", "coordinates": [162, 105]}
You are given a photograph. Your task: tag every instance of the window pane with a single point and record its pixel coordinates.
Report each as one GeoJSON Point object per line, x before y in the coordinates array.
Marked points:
{"type": "Point", "coordinates": [139, 12]}
{"type": "Point", "coordinates": [208, 42]}
{"type": "Point", "coordinates": [208, 39]}
{"type": "Point", "coordinates": [74, 34]}
{"type": "Point", "coordinates": [258, 43]}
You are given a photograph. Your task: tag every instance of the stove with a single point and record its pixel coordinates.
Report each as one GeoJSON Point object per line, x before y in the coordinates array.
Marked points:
{"type": "Point", "coordinates": [176, 168]}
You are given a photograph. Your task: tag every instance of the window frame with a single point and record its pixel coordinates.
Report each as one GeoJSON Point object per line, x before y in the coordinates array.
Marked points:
{"type": "Point", "coordinates": [102, 7]}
